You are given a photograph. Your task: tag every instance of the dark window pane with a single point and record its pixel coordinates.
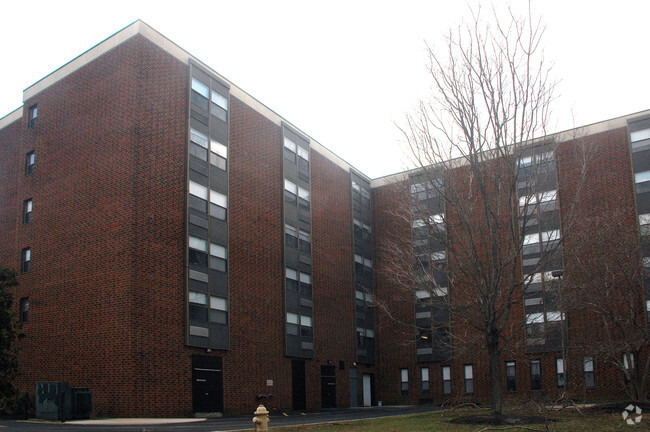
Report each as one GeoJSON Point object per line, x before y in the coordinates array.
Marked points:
{"type": "Point", "coordinates": [24, 309]}
{"type": "Point", "coordinates": [29, 163]}
{"type": "Point", "coordinates": [218, 264]}
{"type": "Point", "coordinates": [292, 285]}
{"type": "Point", "coordinates": [290, 198]}
{"type": "Point", "coordinates": [198, 151]}
{"type": "Point", "coordinates": [26, 260]}
{"type": "Point", "coordinates": [292, 329]}
{"type": "Point", "coordinates": [198, 203]}
{"type": "Point", "coordinates": [198, 258]}
{"type": "Point", "coordinates": [219, 317]}
{"type": "Point", "coordinates": [198, 313]}
{"type": "Point", "coordinates": [199, 101]}
{"type": "Point", "coordinates": [219, 112]}
{"type": "Point", "coordinates": [217, 212]}
{"type": "Point", "coordinates": [33, 114]}
{"type": "Point", "coordinates": [291, 240]}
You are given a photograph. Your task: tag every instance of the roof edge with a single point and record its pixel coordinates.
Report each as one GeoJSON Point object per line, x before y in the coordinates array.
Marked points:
{"type": "Point", "coordinates": [579, 132]}
{"type": "Point", "coordinates": [13, 116]}
{"type": "Point", "coordinates": [142, 28]}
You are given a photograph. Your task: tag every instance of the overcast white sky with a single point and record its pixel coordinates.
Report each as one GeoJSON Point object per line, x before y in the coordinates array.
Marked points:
{"type": "Point", "coordinates": [344, 72]}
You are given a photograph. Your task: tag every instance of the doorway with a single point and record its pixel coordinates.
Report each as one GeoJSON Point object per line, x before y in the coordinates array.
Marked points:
{"type": "Point", "coordinates": [328, 386]}
{"type": "Point", "coordinates": [298, 384]}
{"type": "Point", "coordinates": [354, 390]}
{"type": "Point", "coordinates": [207, 384]}
{"type": "Point", "coordinates": [367, 389]}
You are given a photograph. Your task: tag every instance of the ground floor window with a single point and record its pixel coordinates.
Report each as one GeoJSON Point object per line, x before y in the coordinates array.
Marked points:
{"type": "Point", "coordinates": [535, 375]}
{"type": "Point", "coordinates": [469, 378]}
{"type": "Point", "coordinates": [404, 381]}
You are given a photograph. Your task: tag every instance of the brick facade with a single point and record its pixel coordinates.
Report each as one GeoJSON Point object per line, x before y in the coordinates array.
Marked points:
{"type": "Point", "coordinates": [107, 283]}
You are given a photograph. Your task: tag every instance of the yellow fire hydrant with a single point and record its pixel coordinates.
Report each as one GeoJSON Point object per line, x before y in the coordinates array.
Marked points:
{"type": "Point", "coordinates": [261, 419]}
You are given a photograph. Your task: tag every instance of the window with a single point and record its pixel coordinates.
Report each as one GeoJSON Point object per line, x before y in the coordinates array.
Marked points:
{"type": "Point", "coordinates": [559, 369]}
{"type": "Point", "coordinates": [628, 364]}
{"type": "Point", "coordinates": [218, 205]}
{"type": "Point", "coordinates": [588, 368]}
{"type": "Point", "coordinates": [218, 310]}
{"type": "Point", "coordinates": [29, 163]}
{"type": "Point", "coordinates": [218, 257]}
{"type": "Point", "coordinates": [640, 135]}
{"type": "Point", "coordinates": [27, 210]}
{"type": "Point", "coordinates": [290, 192]}
{"type": "Point", "coordinates": [198, 197]}
{"type": "Point", "coordinates": [295, 320]}
{"type": "Point", "coordinates": [305, 242]}
{"type": "Point", "coordinates": [640, 140]}
{"type": "Point", "coordinates": [424, 374]}
{"type": "Point", "coordinates": [303, 159]}
{"type": "Point", "coordinates": [198, 249]}
{"type": "Point", "coordinates": [404, 381]}
{"type": "Point", "coordinates": [290, 149]}
{"type": "Point", "coordinates": [198, 310]}
{"type": "Point", "coordinates": [546, 237]}
{"type": "Point", "coordinates": [200, 94]}
{"type": "Point", "coordinates": [290, 235]}
{"type": "Point", "coordinates": [469, 379]}
{"type": "Point", "coordinates": [33, 113]}
{"type": "Point", "coordinates": [535, 375]}
{"type": "Point", "coordinates": [292, 280]}
{"type": "Point", "coordinates": [218, 154]}
{"type": "Point", "coordinates": [303, 198]}
{"type": "Point", "coordinates": [446, 380]}
{"type": "Point", "coordinates": [511, 377]}
{"type": "Point", "coordinates": [219, 106]}
{"type": "Point", "coordinates": [642, 177]}
{"type": "Point", "coordinates": [198, 145]}
{"type": "Point", "coordinates": [26, 259]}
{"type": "Point", "coordinates": [198, 298]}
{"type": "Point", "coordinates": [24, 309]}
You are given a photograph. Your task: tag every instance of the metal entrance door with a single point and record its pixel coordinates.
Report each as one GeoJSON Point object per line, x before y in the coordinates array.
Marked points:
{"type": "Point", "coordinates": [207, 384]}
{"type": "Point", "coordinates": [328, 386]}
{"type": "Point", "coordinates": [354, 391]}
{"type": "Point", "coordinates": [298, 384]}
{"type": "Point", "coordinates": [367, 390]}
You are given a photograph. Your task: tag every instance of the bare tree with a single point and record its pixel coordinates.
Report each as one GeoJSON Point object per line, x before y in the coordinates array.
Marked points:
{"type": "Point", "coordinates": [479, 190]}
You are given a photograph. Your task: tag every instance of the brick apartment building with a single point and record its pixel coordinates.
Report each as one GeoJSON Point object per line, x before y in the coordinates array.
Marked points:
{"type": "Point", "coordinates": [184, 249]}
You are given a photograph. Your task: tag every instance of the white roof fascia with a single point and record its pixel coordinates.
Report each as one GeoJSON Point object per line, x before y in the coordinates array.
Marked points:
{"type": "Point", "coordinates": [11, 117]}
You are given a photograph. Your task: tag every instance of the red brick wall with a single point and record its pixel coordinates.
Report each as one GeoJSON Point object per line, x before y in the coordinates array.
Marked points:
{"type": "Point", "coordinates": [601, 218]}
{"type": "Point", "coordinates": [106, 136]}
{"type": "Point", "coordinates": [12, 165]}
{"type": "Point", "coordinates": [255, 253]}
{"type": "Point", "coordinates": [333, 280]}
{"type": "Point", "coordinates": [395, 331]}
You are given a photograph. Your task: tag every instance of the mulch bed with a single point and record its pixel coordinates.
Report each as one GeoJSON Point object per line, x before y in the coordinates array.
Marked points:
{"type": "Point", "coordinates": [508, 420]}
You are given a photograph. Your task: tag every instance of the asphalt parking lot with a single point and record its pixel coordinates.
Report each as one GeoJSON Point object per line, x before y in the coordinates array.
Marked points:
{"type": "Point", "coordinates": [239, 423]}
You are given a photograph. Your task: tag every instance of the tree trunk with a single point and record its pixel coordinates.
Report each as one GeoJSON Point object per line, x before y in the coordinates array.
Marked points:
{"type": "Point", "coordinates": [494, 353]}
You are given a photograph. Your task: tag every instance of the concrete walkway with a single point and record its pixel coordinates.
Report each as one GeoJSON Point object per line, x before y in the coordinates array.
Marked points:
{"type": "Point", "coordinates": [135, 421]}
{"type": "Point", "coordinates": [223, 424]}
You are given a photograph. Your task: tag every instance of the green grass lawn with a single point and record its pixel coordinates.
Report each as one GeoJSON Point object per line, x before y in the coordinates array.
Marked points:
{"type": "Point", "coordinates": [566, 421]}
